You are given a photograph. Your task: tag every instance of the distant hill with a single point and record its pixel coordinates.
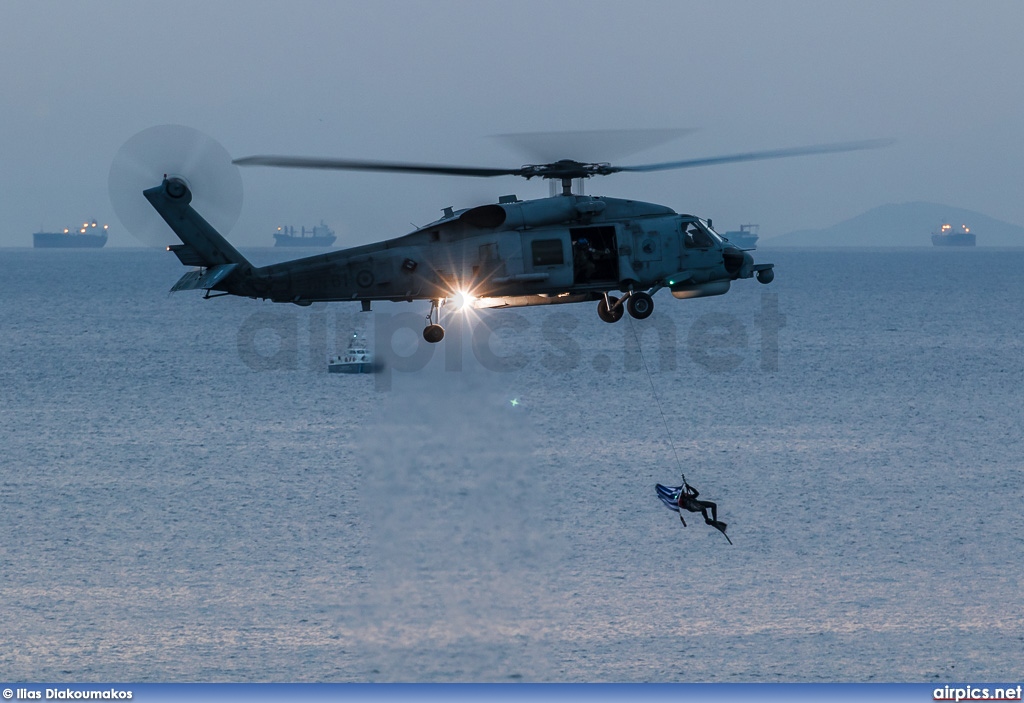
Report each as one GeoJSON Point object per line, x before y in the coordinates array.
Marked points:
{"type": "Point", "coordinates": [903, 225]}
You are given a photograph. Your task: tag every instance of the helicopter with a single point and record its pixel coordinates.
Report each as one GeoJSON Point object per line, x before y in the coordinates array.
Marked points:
{"type": "Point", "coordinates": [566, 248]}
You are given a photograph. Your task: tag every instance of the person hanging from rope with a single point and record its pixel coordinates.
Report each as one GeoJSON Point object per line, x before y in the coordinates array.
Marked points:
{"type": "Point", "coordinates": [684, 497]}
{"type": "Point", "coordinates": [687, 500]}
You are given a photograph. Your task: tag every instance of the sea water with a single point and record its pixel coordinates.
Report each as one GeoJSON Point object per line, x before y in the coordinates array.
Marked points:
{"type": "Point", "coordinates": [187, 495]}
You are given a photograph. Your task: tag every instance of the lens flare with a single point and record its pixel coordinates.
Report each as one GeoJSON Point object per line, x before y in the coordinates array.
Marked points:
{"type": "Point", "coordinates": [462, 300]}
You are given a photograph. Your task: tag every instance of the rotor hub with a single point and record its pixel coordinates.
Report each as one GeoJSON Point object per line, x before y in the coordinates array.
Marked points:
{"type": "Point", "coordinates": [565, 169]}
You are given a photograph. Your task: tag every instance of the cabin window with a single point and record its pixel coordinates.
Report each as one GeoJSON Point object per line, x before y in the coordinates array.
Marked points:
{"type": "Point", "coordinates": [548, 252]}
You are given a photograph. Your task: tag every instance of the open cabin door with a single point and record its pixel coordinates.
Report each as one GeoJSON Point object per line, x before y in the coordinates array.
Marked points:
{"type": "Point", "coordinates": [595, 255]}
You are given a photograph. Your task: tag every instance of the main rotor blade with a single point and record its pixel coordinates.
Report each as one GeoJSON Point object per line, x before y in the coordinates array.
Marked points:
{"type": "Point", "coordinates": [385, 166]}
{"type": "Point", "coordinates": [559, 169]}
{"type": "Point", "coordinates": [758, 155]}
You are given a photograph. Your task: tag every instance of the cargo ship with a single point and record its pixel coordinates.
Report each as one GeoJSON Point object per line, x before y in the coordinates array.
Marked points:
{"type": "Point", "coordinates": [948, 237]}
{"type": "Point", "coordinates": [319, 236]}
{"type": "Point", "coordinates": [88, 236]}
{"type": "Point", "coordinates": [745, 237]}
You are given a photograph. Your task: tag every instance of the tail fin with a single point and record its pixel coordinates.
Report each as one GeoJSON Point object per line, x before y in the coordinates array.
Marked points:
{"type": "Point", "coordinates": [201, 244]}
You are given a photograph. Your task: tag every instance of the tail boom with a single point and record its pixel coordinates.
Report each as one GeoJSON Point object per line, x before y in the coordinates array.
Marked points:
{"type": "Point", "coordinates": [224, 268]}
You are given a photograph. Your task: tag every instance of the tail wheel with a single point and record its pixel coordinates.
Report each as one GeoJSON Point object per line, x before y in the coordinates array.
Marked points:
{"type": "Point", "coordinates": [608, 311]}
{"type": "Point", "coordinates": [433, 333]}
{"type": "Point", "coordinates": [640, 305]}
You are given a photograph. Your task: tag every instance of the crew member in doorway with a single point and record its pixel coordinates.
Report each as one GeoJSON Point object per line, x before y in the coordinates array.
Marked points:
{"type": "Point", "coordinates": [583, 260]}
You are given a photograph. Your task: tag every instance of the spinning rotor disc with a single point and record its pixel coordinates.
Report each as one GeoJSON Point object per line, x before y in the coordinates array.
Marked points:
{"type": "Point", "coordinates": [543, 144]}
{"type": "Point", "coordinates": [587, 145]}
{"type": "Point", "coordinates": [173, 150]}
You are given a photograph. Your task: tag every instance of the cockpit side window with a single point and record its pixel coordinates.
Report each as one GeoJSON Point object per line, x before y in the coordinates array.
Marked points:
{"type": "Point", "coordinates": [697, 238]}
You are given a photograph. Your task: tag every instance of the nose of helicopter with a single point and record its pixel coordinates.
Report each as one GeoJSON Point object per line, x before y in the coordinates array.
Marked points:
{"type": "Point", "coordinates": [747, 269]}
{"type": "Point", "coordinates": [738, 263]}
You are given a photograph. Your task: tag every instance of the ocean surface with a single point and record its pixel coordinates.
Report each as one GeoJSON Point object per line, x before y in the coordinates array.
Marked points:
{"type": "Point", "coordinates": [187, 495]}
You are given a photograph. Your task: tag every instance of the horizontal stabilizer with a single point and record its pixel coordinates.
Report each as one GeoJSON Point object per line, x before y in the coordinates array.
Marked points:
{"type": "Point", "coordinates": [203, 278]}
{"type": "Point", "coordinates": [187, 254]}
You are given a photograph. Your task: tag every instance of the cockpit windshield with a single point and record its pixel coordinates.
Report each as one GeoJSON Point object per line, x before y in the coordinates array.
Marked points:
{"type": "Point", "coordinates": [711, 230]}
{"type": "Point", "coordinates": [700, 236]}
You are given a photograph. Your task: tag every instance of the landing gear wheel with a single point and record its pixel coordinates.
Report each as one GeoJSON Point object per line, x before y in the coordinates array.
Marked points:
{"type": "Point", "coordinates": [433, 333]}
{"type": "Point", "coordinates": [607, 311]}
{"type": "Point", "coordinates": [640, 305]}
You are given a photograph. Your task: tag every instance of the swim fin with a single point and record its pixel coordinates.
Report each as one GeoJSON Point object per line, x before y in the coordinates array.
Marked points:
{"type": "Point", "coordinates": [720, 526]}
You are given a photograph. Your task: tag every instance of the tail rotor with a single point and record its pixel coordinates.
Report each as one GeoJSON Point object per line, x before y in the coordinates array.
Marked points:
{"type": "Point", "coordinates": [178, 152]}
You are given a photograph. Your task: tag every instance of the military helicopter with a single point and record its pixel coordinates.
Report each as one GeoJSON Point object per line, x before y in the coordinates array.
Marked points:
{"type": "Point", "coordinates": [566, 248]}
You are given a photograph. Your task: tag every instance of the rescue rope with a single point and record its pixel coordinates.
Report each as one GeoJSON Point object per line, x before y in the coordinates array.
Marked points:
{"type": "Point", "coordinates": [654, 392]}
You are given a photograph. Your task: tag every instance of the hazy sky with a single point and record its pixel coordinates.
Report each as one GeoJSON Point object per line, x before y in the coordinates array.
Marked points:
{"type": "Point", "coordinates": [432, 81]}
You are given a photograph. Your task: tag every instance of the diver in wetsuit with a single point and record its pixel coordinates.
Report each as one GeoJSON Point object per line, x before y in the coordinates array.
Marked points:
{"type": "Point", "coordinates": [687, 500]}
